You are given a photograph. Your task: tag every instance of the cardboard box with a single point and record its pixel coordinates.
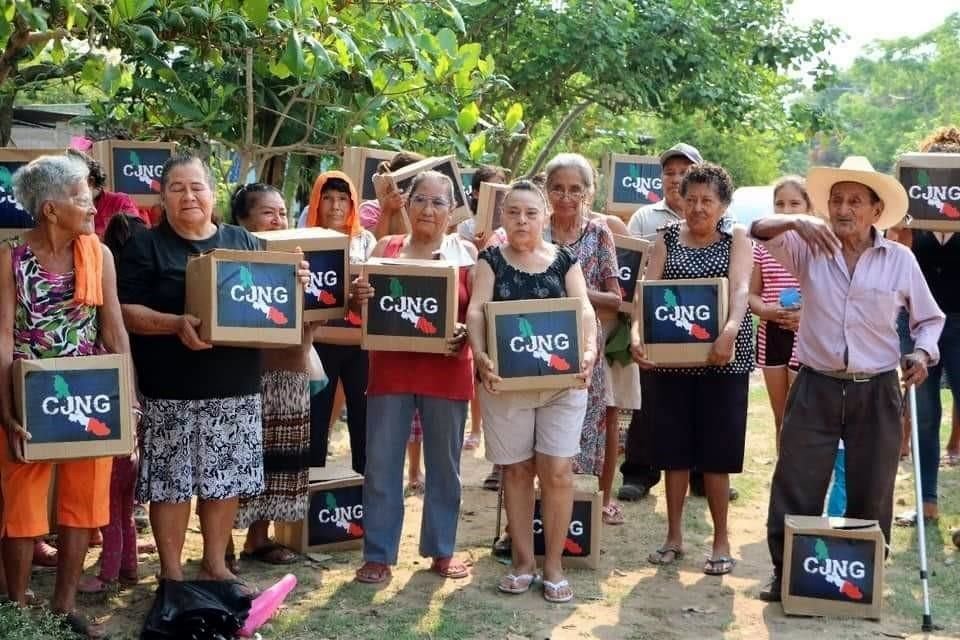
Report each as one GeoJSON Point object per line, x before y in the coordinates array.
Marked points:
{"type": "Point", "coordinates": [334, 516]}
{"type": "Point", "coordinates": [632, 182]}
{"type": "Point", "coordinates": [446, 165]}
{"type": "Point", "coordinates": [932, 181]}
{"type": "Point", "coordinates": [833, 567]}
{"type": "Point", "coordinates": [680, 319]}
{"type": "Point", "coordinates": [466, 179]}
{"type": "Point", "coordinates": [328, 253]}
{"type": "Point", "coordinates": [76, 407]}
{"type": "Point", "coordinates": [414, 307]}
{"type": "Point", "coordinates": [582, 546]}
{"type": "Point", "coordinates": [489, 205]}
{"type": "Point", "coordinates": [632, 257]}
{"type": "Point", "coordinates": [246, 298]}
{"type": "Point", "coordinates": [535, 344]}
{"type": "Point", "coordinates": [360, 163]}
{"type": "Point", "coordinates": [134, 167]}
{"type": "Point", "coordinates": [12, 215]}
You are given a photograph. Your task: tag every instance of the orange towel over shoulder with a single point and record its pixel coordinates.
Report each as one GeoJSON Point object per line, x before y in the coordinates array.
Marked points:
{"type": "Point", "coordinates": [88, 270]}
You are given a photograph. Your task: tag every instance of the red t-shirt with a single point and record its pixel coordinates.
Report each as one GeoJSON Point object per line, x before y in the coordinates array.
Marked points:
{"type": "Point", "coordinates": [109, 204]}
{"type": "Point", "coordinates": [426, 374]}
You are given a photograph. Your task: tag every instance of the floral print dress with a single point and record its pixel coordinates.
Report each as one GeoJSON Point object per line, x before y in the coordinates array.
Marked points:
{"type": "Point", "coordinates": [47, 322]}
{"type": "Point", "coordinates": [598, 259]}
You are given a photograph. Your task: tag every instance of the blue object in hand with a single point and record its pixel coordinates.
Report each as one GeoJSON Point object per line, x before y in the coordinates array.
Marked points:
{"type": "Point", "coordinates": [790, 298]}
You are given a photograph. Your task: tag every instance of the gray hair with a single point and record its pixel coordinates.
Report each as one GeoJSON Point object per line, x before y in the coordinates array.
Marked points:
{"type": "Point", "coordinates": [439, 177]}
{"type": "Point", "coordinates": [46, 178]}
{"type": "Point", "coordinates": [572, 161]}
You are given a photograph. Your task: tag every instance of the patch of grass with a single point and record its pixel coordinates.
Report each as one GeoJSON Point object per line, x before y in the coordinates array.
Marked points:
{"type": "Point", "coordinates": [30, 624]}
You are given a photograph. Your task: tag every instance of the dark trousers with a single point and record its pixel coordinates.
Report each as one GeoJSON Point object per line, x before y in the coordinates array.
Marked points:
{"type": "Point", "coordinates": [820, 411]}
{"type": "Point", "coordinates": [351, 366]}
{"type": "Point", "coordinates": [638, 466]}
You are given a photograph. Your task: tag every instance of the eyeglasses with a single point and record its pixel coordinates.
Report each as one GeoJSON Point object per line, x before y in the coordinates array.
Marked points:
{"type": "Point", "coordinates": [573, 194]}
{"type": "Point", "coordinates": [422, 201]}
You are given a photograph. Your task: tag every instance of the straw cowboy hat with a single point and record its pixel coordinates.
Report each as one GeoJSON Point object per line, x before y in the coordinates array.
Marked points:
{"type": "Point", "coordinates": [858, 169]}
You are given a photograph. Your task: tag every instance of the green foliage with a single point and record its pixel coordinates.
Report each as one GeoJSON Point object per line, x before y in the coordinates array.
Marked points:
{"type": "Point", "coordinates": [650, 57]}
{"type": "Point", "coordinates": [40, 624]}
{"type": "Point", "coordinates": [320, 75]}
{"type": "Point", "coordinates": [890, 98]}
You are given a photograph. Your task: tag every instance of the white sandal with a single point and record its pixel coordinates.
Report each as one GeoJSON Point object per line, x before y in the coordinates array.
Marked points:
{"type": "Point", "coordinates": [551, 589]}
{"type": "Point", "coordinates": [517, 584]}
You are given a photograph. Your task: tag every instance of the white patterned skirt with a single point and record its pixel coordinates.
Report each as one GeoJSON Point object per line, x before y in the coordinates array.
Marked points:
{"type": "Point", "coordinates": [211, 449]}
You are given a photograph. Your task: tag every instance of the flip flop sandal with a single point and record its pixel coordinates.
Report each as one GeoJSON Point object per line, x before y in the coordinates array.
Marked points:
{"type": "Point", "coordinates": [613, 514]}
{"type": "Point", "coordinates": [516, 584]}
{"type": "Point", "coordinates": [373, 573]}
{"type": "Point", "coordinates": [77, 624]}
{"type": "Point", "coordinates": [271, 553]}
{"type": "Point", "coordinates": [449, 568]}
{"type": "Point", "coordinates": [552, 591]}
{"type": "Point", "coordinates": [660, 556]}
{"type": "Point", "coordinates": [44, 554]}
{"type": "Point", "coordinates": [471, 442]}
{"type": "Point", "coordinates": [94, 585]}
{"type": "Point", "coordinates": [415, 488]}
{"type": "Point", "coordinates": [492, 481]}
{"type": "Point", "coordinates": [725, 564]}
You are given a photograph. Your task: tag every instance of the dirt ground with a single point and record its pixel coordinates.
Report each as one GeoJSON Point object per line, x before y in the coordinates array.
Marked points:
{"type": "Point", "coordinates": [626, 598]}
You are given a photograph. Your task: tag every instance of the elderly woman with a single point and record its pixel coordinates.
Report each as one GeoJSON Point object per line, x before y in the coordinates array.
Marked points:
{"type": "Point", "coordinates": [439, 386]}
{"type": "Point", "coordinates": [108, 203]}
{"type": "Point", "coordinates": [333, 205]}
{"type": "Point", "coordinates": [698, 416]}
{"type": "Point", "coordinates": [569, 186]}
{"type": "Point", "coordinates": [854, 283]}
{"type": "Point", "coordinates": [58, 298]}
{"type": "Point", "coordinates": [532, 433]}
{"type": "Point", "coordinates": [201, 431]}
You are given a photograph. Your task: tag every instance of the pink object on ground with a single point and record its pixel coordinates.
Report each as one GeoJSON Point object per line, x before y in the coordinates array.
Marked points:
{"type": "Point", "coordinates": [267, 603]}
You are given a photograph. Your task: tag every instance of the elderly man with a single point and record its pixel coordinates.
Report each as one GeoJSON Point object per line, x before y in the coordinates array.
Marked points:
{"type": "Point", "coordinates": [854, 282]}
{"type": "Point", "coordinates": [639, 474]}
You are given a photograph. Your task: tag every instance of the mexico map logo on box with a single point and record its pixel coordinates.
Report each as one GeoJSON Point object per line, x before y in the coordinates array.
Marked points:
{"type": "Point", "coordinates": [680, 319]}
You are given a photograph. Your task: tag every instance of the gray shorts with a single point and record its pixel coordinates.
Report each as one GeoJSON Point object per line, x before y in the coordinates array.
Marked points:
{"type": "Point", "coordinates": [518, 424]}
{"type": "Point", "coordinates": [211, 449]}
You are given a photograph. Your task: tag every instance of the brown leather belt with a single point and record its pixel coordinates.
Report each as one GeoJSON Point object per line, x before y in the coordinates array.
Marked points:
{"type": "Point", "coordinates": [850, 376]}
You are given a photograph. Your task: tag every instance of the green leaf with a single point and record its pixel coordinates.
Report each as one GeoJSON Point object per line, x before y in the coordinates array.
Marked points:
{"type": "Point", "coordinates": [146, 36]}
{"type": "Point", "coordinates": [279, 70]}
{"type": "Point", "coordinates": [468, 117]}
{"type": "Point", "coordinates": [448, 40]}
{"type": "Point", "coordinates": [345, 38]}
{"type": "Point", "coordinates": [452, 11]}
{"type": "Point", "coordinates": [469, 55]}
{"type": "Point", "coordinates": [514, 116]}
{"type": "Point", "coordinates": [57, 53]}
{"type": "Point", "coordinates": [478, 147]}
{"type": "Point", "coordinates": [130, 10]}
{"type": "Point", "coordinates": [257, 10]}
{"type": "Point", "coordinates": [184, 108]}
{"type": "Point", "coordinates": [293, 54]}
{"type": "Point", "coordinates": [383, 126]}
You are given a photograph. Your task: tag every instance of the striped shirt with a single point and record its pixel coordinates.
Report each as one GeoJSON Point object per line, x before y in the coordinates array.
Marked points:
{"type": "Point", "coordinates": [776, 278]}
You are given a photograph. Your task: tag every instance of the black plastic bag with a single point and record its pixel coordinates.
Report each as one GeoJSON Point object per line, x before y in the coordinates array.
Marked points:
{"type": "Point", "coordinates": [196, 610]}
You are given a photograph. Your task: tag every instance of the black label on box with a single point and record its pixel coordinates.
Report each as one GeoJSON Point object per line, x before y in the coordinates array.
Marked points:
{"type": "Point", "coordinates": [578, 543]}
{"type": "Point", "coordinates": [680, 313]}
{"type": "Point", "coordinates": [407, 306]}
{"type": "Point", "coordinates": [637, 183]}
{"type": "Point", "coordinates": [537, 344]}
{"type": "Point", "coordinates": [137, 171]}
{"type": "Point", "coordinates": [326, 289]}
{"type": "Point", "coordinates": [832, 568]}
{"type": "Point", "coordinates": [72, 405]}
{"type": "Point", "coordinates": [934, 193]}
{"type": "Point", "coordinates": [256, 295]}
{"type": "Point", "coordinates": [335, 515]}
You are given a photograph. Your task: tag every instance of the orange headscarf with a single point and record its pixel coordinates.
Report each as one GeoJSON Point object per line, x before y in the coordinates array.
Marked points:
{"type": "Point", "coordinates": [353, 216]}
{"type": "Point", "coordinates": [88, 270]}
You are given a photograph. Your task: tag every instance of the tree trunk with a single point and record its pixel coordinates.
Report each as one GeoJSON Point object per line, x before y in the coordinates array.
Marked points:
{"type": "Point", "coordinates": [513, 154]}
{"type": "Point", "coordinates": [558, 135]}
{"type": "Point", "coordinates": [6, 117]}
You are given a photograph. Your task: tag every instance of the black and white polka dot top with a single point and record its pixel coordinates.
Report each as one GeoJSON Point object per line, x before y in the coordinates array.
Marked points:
{"type": "Point", "coordinates": [685, 263]}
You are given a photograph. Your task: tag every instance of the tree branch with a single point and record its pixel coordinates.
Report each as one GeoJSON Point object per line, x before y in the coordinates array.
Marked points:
{"type": "Point", "coordinates": [558, 134]}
